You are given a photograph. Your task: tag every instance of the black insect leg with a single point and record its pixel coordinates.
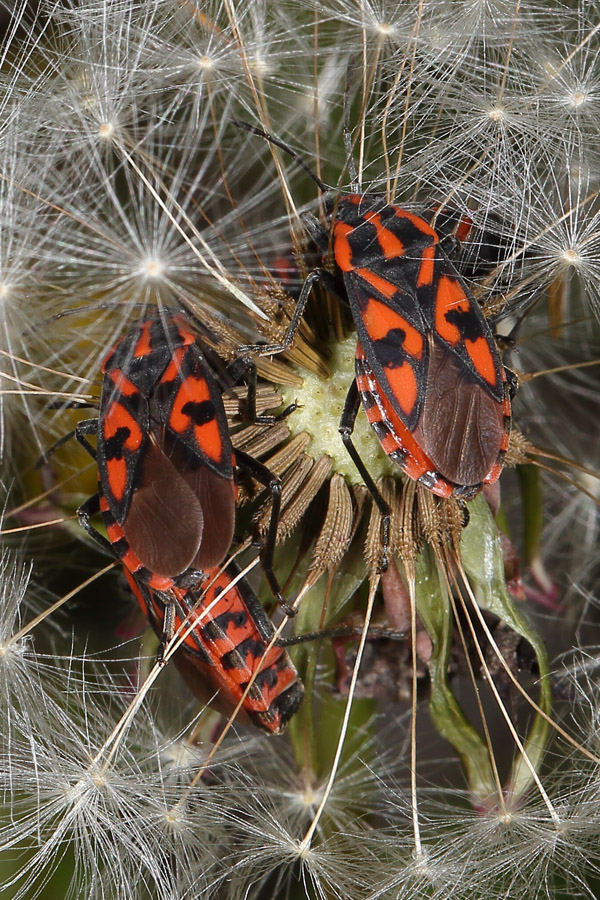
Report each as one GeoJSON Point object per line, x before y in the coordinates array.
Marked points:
{"type": "Point", "coordinates": [70, 404]}
{"type": "Point", "coordinates": [312, 278]}
{"type": "Point", "coordinates": [272, 482]}
{"type": "Point", "coordinates": [246, 367]}
{"type": "Point", "coordinates": [374, 632]}
{"type": "Point", "coordinates": [87, 426]}
{"type": "Point", "coordinates": [55, 446]}
{"type": "Point", "coordinates": [168, 631]}
{"type": "Point", "coordinates": [346, 427]}
{"type": "Point", "coordinates": [90, 508]}
{"type": "Point", "coordinates": [77, 433]}
{"type": "Point", "coordinates": [246, 126]}
{"type": "Point", "coordinates": [512, 382]}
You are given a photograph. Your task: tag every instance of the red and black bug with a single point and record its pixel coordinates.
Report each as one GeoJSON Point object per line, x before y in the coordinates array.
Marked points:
{"type": "Point", "coordinates": [165, 459]}
{"type": "Point", "coordinates": [285, 270]}
{"type": "Point", "coordinates": [427, 366]}
{"type": "Point", "coordinates": [428, 370]}
{"type": "Point", "coordinates": [227, 648]}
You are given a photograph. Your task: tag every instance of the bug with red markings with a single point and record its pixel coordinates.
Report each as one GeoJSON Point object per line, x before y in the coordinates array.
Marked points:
{"type": "Point", "coordinates": [166, 492]}
{"type": "Point", "coordinates": [285, 270]}
{"type": "Point", "coordinates": [428, 371]}
{"type": "Point", "coordinates": [479, 249]}
{"type": "Point", "coordinates": [427, 367]}
{"type": "Point", "coordinates": [225, 652]}
{"type": "Point", "coordinates": [166, 464]}
{"type": "Point", "coordinates": [227, 633]}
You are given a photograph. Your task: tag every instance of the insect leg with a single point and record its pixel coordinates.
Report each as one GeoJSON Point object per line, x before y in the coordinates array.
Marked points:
{"type": "Point", "coordinates": [55, 446]}
{"type": "Point", "coordinates": [90, 508]}
{"type": "Point", "coordinates": [168, 631]}
{"type": "Point", "coordinates": [87, 426]}
{"type": "Point", "coordinates": [346, 427]}
{"type": "Point", "coordinates": [374, 632]}
{"type": "Point", "coordinates": [290, 335]}
{"type": "Point", "coordinates": [512, 381]}
{"type": "Point", "coordinates": [244, 366]}
{"type": "Point", "coordinates": [273, 484]}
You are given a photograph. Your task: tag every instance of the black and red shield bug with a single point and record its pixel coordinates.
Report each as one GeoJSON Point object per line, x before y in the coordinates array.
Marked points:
{"type": "Point", "coordinates": [428, 370]}
{"type": "Point", "coordinates": [226, 647]}
{"type": "Point", "coordinates": [165, 459]}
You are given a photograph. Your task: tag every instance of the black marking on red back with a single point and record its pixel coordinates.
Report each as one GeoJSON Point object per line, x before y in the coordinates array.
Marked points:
{"type": "Point", "coordinates": [164, 452]}
{"type": "Point", "coordinates": [423, 335]}
{"type": "Point", "coordinates": [225, 649]}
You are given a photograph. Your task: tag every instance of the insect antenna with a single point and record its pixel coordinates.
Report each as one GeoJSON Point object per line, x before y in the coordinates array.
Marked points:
{"type": "Point", "coordinates": [89, 307]}
{"type": "Point", "coordinates": [350, 164]}
{"type": "Point", "coordinates": [252, 129]}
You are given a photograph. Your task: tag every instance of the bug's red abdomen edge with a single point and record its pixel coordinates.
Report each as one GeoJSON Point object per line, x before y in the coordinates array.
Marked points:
{"type": "Point", "coordinates": [428, 369]}
{"type": "Point", "coordinates": [226, 647]}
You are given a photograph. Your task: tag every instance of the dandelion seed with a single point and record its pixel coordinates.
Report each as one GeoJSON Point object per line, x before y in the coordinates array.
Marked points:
{"type": "Point", "coordinates": [578, 98]}
{"type": "Point", "coordinates": [497, 115]}
{"type": "Point", "coordinates": [571, 257]}
{"type": "Point", "coordinates": [153, 268]}
{"type": "Point", "coordinates": [106, 130]}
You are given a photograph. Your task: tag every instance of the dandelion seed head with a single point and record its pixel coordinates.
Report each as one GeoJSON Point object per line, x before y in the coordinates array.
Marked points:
{"type": "Point", "coordinates": [497, 114]}
{"type": "Point", "coordinates": [12, 650]}
{"type": "Point", "coordinates": [152, 268]}
{"type": "Point", "coordinates": [98, 778]}
{"type": "Point", "coordinates": [206, 62]}
{"type": "Point", "coordinates": [309, 797]}
{"type": "Point", "coordinates": [179, 755]}
{"type": "Point", "coordinates": [304, 801]}
{"type": "Point", "coordinates": [384, 28]}
{"type": "Point", "coordinates": [571, 257]}
{"type": "Point", "coordinates": [304, 851]}
{"type": "Point", "coordinates": [106, 130]}
{"type": "Point", "coordinates": [174, 816]}
{"type": "Point", "coordinates": [421, 862]}
{"type": "Point", "coordinates": [320, 411]}
{"type": "Point", "coordinates": [578, 98]}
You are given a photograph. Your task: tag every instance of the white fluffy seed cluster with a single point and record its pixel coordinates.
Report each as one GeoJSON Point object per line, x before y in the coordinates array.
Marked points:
{"type": "Point", "coordinates": [125, 182]}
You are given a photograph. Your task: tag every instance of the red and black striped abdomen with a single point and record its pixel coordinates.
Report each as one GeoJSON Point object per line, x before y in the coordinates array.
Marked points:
{"type": "Point", "coordinates": [402, 445]}
{"type": "Point", "coordinates": [225, 650]}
